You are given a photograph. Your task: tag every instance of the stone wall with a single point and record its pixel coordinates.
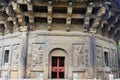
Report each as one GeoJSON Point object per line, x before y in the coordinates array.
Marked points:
{"type": "Point", "coordinates": [11, 43]}
{"type": "Point", "coordinates": [77, 49]}
{"type": "Point", "coordinates": [105, 45]}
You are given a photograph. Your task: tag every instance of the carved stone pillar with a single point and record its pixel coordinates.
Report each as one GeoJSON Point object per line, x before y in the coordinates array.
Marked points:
{"type": "Point", "coordinates": [92, 48]}
{"type": "Point", "coordinates": [23, 53]}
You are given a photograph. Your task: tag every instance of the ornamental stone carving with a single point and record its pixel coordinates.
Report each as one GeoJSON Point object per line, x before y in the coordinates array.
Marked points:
{"type": "Point", "coordinates": [113, 53]}
{"type": "Point", "coordinates": [78, 55]}
{"type": "Point", "coordinates": [99, 56]}
{"type": "Point", "coordinates": [16, 50]}
{"type": "Point", "coordinates": [37, 54]}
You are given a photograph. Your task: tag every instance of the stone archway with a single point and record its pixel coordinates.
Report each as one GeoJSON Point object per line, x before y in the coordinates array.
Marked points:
{"type": "Point", "coordinates": [58, 64]}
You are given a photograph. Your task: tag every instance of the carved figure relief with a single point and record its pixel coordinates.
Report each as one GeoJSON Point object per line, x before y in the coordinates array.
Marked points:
{"type": "Point", "coordinates": [99, 56]}
{"type": "Point", "coordinates": [113, 53]}
{"type": "Point", "coordinates": [37, 54]}
{"type": "Point", "coordinates": [78, 55]}
{"type": "Point", "coordinates": [16, 50]}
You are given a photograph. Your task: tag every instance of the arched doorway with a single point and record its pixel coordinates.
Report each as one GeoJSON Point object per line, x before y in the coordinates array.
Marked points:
{"type": "Point", "coordinates": [58, 64]}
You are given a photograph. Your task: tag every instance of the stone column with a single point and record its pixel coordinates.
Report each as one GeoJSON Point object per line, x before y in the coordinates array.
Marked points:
{"type": "Point", "coordinates": [23, 53]}
{"type": "Point", "coordinates": [92, 46]}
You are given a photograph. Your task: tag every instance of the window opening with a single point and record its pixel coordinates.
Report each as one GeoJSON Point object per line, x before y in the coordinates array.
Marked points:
{"type": "Point", "coordinates": [106, 58]}
{"type": "Point", "coordinates": [6, 57]}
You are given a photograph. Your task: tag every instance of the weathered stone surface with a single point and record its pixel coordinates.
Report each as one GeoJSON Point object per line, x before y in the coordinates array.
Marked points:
{"type": "Point", "coordinates": [13, 75]}
{"type": "Point", "coordinates": [78, 55]}
{"type": "Point", "coordinates": [37, 54]}
{"type": "Point", "coordinates": [31, 50]}
{"type": "Point", "coordinates": [99, 55]}
{"type": "Point", "coordinates": [15, 54]}
{"type": "Point", "coordinates": [114, 60]}
{"type": "Point", "coordinates": [77, 50]}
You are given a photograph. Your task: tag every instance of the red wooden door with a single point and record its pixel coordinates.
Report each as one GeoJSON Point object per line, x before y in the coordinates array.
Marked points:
{"type": "Point", "coordinates": [58, 68]}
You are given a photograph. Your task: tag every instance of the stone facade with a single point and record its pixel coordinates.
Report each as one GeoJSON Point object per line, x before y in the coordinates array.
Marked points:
{"type": "Point", "coordinates": [75, 47]}
{"type": "Point", "coordinates": [65, 39]}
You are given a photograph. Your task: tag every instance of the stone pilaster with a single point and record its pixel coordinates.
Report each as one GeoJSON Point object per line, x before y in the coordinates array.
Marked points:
{"type": "Point", "coordinates": [23, 54]}
{"type": "Point", "coordinates": [92, 47]}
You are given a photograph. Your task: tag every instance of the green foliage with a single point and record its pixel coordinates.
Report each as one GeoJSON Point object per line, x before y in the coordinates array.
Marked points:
{"type": "Point", "coordinates": [119, 43]}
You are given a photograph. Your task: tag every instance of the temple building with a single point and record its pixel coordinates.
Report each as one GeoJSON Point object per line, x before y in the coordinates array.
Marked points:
{"type": "Point", "coordinates": [59, 39]}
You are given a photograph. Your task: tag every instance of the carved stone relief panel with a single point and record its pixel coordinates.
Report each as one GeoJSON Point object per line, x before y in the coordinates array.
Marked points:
{"type": "Point", "coordinates": [113, 54]}
{"type": "Point", "coordinates": [15, 53]}
{"type": "Point", "coordinates": [37, 54]}
{"type": "Point", "coordinates": [78, 55]}
{"type": "Point", "coordinates": [99, 53]}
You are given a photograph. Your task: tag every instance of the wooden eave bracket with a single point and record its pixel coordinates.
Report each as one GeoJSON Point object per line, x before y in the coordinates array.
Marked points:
{"type": "Point", "coordinates": [30, 9]}
{"type": "Point", "coordinates": [88, 16]}
{"type": "Point", "coordinates": [16, 8]}
{"type": "Point", "coordinates": [100, 13]}
{"type": "Point", "coordinates": [21, 20]}
{"type": "Point", "coordinates": [49, 17]}
{"type": "Point", "coordinates": [69, 16]}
